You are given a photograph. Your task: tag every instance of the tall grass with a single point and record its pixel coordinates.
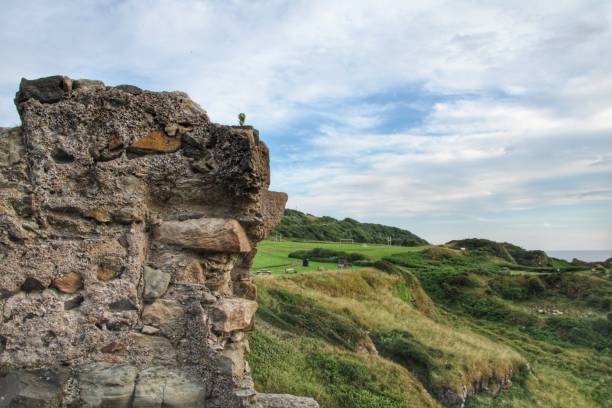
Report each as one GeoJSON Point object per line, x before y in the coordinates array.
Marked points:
{"type": "Point", "coordinates": [440, 319]}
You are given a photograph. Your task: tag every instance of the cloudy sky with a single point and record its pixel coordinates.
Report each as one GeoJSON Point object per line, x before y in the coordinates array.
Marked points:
{"type": "Point", "coordinates": [450, 118]}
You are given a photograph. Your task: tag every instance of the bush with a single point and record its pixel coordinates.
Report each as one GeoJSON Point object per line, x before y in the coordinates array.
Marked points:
{"type": "Point", "coordinates": [386, 266]}
{"type": "Point", "coordinates": [463, 280]}
{"type": "Point", "coordinates": [517, 287]}
{"type": "Point", "coordinates": [401, 347]}
{"type": "Point", "coordinates": [328, 255]}
{"type": "Point", "coordinates": [594, 333]}
{"type": "Point", "coordinates": [534, 286]}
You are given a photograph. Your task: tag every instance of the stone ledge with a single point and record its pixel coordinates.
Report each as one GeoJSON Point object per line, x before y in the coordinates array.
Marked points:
{"type": "Point", "coordinates": [284, 401]}
{"type": "Point", "coordinates": [210, 234]}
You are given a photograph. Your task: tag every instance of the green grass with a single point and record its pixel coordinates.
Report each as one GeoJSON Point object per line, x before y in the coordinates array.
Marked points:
{"type": "Point", "coordinates": [275, 255]}
{"type": "Point", "coordinates": [336, 378]}
{"type": "Point", "coordinates": [340, 308]}
{"type": "Point", "coordinates": [304, 316]}
{"type": "Point", "coordinates": [440, 319]}
{"type": "Point", "coordinates": [297, 225]}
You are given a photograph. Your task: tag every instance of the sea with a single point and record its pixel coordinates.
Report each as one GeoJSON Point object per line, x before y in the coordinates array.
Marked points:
{"type": "Point", "coordinates": [586, 255]}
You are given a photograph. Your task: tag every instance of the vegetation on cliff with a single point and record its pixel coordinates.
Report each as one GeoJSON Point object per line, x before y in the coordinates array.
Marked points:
{"type": "Point", "coordinates": [434, 326]}
{"type": "Point", "coordinates": [508, 252]}
{"type": "Point", "coordinates": [297, 225]}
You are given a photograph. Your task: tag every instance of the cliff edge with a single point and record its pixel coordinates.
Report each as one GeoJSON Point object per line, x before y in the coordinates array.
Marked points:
{"type": "Point", "coordinates": [128, 224]}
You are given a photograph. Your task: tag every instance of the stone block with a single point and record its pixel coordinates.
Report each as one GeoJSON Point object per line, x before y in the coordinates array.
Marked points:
{"type": "Point", "coordinates": [155, 142]}
{"type": "Point", "coordinates": [156, 283]}
{"type": "Point", "coordinates": [32, 388]}
{"type": "Point", "coordinates": [68, 283]}
{"type": "Point", "coordinates": [233, 314]}
{"type": "Point", "coordinates": [285, 401]}
{"type": "Point", "coordinates": [107, 385]}
{"type": "Point", "coordinates": [209, 234]}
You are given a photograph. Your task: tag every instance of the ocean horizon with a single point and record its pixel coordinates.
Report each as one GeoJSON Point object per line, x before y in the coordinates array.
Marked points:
{"type": "Point", "coordinates": [584, 255]}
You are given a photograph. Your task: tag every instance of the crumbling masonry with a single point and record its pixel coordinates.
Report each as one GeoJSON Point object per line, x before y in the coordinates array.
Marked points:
{"type": "Point", "coordinates": [128, 224]}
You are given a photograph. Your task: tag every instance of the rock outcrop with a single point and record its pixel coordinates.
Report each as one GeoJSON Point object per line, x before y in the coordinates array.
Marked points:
{"type": "Point", "coordinates": [128, 224]}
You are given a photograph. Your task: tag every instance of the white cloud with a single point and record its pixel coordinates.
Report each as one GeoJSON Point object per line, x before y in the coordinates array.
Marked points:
{"type": "Point", "coordinates": [268, 58]}
{"type": "Point", "coordinates": [496, 157]}
{"type": "Point", "coordinates": [522, 91]}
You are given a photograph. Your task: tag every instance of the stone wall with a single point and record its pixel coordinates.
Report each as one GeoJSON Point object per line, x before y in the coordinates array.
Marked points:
{"type": "Point", "coordinates": [128, 224]}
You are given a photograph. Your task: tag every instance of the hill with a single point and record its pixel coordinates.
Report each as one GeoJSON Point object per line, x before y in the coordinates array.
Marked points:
{"type": "Point", "coordinates": [509, 252]}
{"type": "Point", "coordinates": [297, 225]}
{"type": "Point", "coordinates": [513, 256]}
{"type": "Point", "coordinates": [433, 326]}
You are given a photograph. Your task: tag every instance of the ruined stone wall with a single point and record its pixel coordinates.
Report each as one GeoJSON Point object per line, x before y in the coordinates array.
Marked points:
{"type": "Point", "coordinates": [128, 224]}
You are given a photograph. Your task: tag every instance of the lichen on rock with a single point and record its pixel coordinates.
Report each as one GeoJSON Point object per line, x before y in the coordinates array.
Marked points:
{"type": "Point", "coordinates": [128, 224]}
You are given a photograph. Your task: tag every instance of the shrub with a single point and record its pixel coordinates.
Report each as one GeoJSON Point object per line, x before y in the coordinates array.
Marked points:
{"type": "Point", "coordinates": [594, 333]}
{"type": "Point", "coordinates": [386, 266]}
{"type": "Point", "coordinates": [328, 255]}
{"type": "Point", "coordinates": [534, 286]}
{"type": "Point", "coordinates": [463, 280]}
{"type": "Point", "coordinates": [517, 287]}
{"type": "Point", "coordinates": [401, 347]}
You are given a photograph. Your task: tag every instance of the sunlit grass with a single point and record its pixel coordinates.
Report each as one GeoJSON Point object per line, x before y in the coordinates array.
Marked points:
{"type": "Point", "coordinates": [274, 256]}
{"type": "Point", "coordinates": [454, 342]}
{"type": "Point", "coordinates": [336, 378]}
{"type": "Point", "coordinates": [368, 295]}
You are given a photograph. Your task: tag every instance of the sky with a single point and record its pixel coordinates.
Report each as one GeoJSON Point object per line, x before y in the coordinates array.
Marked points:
{"type": "Point", "coordinates": [452, 119]}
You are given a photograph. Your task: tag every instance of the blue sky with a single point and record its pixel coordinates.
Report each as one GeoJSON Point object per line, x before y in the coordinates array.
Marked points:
{"type": "Point", "coordinates": [450, 118]}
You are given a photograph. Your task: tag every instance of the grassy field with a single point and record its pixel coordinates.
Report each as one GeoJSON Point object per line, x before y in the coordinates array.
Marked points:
{"type": "Point", "coordinates": [273, 255]}
{"type": "Point", "coordinates": [435, 322]}
{"type": "Point", "coordinates": [348, 312]}
{"type": "Point", "coordinates": [284, 362]}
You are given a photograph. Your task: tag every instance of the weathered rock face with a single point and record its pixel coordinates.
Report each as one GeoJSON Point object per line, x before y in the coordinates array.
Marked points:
{"type": "Point", "coordinates": [128, 223]}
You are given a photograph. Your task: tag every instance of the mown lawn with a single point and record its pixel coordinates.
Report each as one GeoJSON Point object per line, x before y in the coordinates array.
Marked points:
{"type": "Point", "coordinates": [274, 256]}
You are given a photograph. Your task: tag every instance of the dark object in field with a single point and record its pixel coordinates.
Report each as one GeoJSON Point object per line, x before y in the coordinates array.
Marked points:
{"type": "Point", "coordinates": [328, 255]}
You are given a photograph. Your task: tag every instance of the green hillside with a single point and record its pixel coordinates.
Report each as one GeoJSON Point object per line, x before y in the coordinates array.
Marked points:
{"type": "Point", "coordinates": [511, 253]}
{"type": "Point", "coordinates": [297, 225]}
{"type": "Point", "coordinates": [424, 326]}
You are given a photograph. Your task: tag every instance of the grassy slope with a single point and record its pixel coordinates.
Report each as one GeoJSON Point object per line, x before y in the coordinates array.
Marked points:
{"type": "Point", "coordinates": [300, 365]}
{"type": "Point", "coordinates": [297, 225]}
{"type": "Point", "coordinates": [314, 331]}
